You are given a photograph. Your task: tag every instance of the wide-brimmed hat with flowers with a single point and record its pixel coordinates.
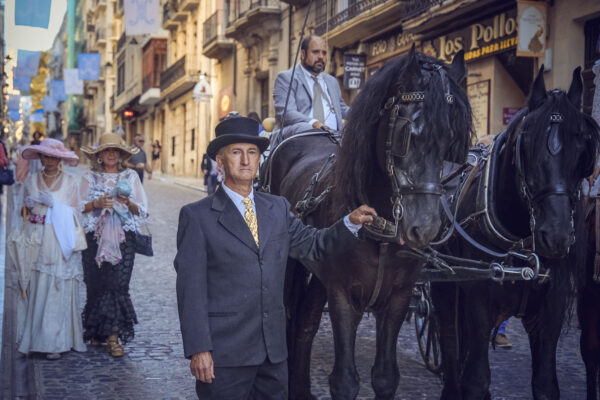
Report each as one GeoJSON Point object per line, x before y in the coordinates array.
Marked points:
{"type": "Point", "coordinates": [110, 141]}
{"type": "Point", "coordinates": [50, 147]}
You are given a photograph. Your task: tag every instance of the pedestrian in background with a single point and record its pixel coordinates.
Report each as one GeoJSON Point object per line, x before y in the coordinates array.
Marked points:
{"type": "Point", "coordinates": [156, 150]}
{"type": "Point", "coordinates": [211, 175]}
{"type": "Point", "coordinates": [114, 206]}
{"type": "Point", "coordinates": [53, 318]}
{"type": "Point", "coordinates": [139, 161]}
{"type": "Point", "coordinates": [35, 165]}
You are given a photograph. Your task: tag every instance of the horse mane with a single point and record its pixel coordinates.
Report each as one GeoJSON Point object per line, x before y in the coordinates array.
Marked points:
{"type": "Point", "coordinates": [357, 161]}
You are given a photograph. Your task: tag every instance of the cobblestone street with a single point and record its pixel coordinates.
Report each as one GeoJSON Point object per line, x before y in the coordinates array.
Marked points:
{"type": "Point", "coordinates": [154, 368]}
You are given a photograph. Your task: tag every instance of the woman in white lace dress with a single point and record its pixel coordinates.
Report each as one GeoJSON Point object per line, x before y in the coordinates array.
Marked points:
{"type": "Point", "coordinates": [114, 204]}
{"type": "Point", "coordinates": [53, 318]}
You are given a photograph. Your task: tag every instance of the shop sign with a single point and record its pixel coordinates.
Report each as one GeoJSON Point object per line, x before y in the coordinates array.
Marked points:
{"type": "Point", "coordinates": [354, 70]}
{"type": "Point", "coordinates": [225, 101]}
{"type": "Point", "coordinates": [479, 99]}
{"type": "Point", "coordinates": [508, 113]}
{"type": "Point", "coordinates": [393, 44]}
{"type": "Point", "coordinates": [490, 36]}
{"type": "Point", "coordinates": [532, 28]}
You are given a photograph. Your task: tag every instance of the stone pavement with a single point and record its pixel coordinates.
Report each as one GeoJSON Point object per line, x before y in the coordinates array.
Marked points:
{"type": "Point", "coordinates": [154, 368]}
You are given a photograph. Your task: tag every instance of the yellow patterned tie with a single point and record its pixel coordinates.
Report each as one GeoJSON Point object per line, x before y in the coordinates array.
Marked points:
{"type": "Point", "coordinates": [250, 218]}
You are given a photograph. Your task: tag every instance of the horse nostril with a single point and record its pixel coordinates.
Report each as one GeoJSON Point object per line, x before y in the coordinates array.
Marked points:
{"type": "Point", "coordinates": [414, 234]}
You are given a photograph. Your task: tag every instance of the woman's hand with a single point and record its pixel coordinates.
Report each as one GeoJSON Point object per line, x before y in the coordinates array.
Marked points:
{"type": "Point", "coordinates": [124, 199]}
{"type": "Point", "coordinates": [131, 206]}
{"type": "Point", "coordinates": [104, 202]}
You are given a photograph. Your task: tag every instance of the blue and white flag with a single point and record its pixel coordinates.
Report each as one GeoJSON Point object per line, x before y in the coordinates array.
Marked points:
{"type": "Point", "coordinates": [50, 104]}
{"type": "Point", "coordinates": [37, 116]}
{"type": "Point", "coordinates": [58, 90]}
{"type": "Point", "coordinates": [141, 17]}
{"type": "Point", "coordinates": [14, 102]}
{"type": "Point", "coordinates": [33, 13]}
{"type": "Point", "coordinates": [22, 84]}
{"type": "Point", "coordinates": [15, 115]}
{"type": "Point", "coordinates": [27, 63]}
{"type": "Point", "coordinates": [89, 66]}
{"type": "Point", "coordinates": [73, 85]}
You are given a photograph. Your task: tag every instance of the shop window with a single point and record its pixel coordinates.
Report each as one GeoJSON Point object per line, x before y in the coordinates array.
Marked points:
{"type": "Point", "coordinates": [264, 98]}
{"type": "Point", "coordinates": [193, 146]}
{"type": "Point", "coordinates": [173, 146]}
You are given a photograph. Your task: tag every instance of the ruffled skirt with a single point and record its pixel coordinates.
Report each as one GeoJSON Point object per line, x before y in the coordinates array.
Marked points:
{"type": "Point", "coordinates": [108, 308]}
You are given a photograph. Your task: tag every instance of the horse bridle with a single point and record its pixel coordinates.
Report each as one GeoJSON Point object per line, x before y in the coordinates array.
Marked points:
{"type": "Point", "coordinates": [557, 189]}
{"type": "Point", "coordinates": [399, 146]}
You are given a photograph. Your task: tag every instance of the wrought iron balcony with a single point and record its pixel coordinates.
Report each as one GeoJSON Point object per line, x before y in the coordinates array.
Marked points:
{"type": "Point", "coordinates": [170, 10]}
{"type": "Point", "coordinates": [172, 74]}
{"type": "Point", "coordinates": [150, 89]}
{"type": "Point", "coordinates": [242, 8]}
{"type": "Point", "coordinates": [215, 44]}
{"type": "Point", "coordinates": [408, 9]}
{"type": "Point", "coordinates": [189, 5]}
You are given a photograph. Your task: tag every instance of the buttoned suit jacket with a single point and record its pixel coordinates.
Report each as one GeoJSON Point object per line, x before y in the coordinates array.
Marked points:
{"type": "Point", "coordinates": [298, 112]}
{"type": "Point", "coordinates": [229, 291]}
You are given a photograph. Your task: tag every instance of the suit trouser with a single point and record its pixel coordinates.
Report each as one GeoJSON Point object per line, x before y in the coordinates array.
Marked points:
{"type": "Point", "coordinates": [261, 382]}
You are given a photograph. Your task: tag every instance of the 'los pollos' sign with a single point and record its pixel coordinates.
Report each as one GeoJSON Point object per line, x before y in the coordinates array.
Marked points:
{"type": "Point", "coordinates": [482, 39]}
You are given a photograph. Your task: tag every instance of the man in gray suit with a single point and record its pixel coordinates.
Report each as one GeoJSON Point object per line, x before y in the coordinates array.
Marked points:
{"type": "Point", "coordinates": [232, 249]}
{"type": "Point", "coordinates": [316, 99]}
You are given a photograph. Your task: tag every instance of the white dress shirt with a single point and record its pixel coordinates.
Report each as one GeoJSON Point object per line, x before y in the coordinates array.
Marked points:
{"type": "Point", "coordinates": [330, 119]}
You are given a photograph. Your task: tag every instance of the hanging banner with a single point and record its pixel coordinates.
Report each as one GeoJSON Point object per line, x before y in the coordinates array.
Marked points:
{"type": "Point", "coordinates": [27, 63]}
{"type": "Point", "coordinates": [531, 20]}
{"type": "Point", "coordinates": [50, 104]}
{"type": "Point", "coordinates": [22, 84]}
{"type": "Point", "coordinates": [37, 116]}
{"type": "Point", "coordinates": [58, 90]}
{"type": "Point", "coordinates": [141, 17]}
{"type": "Point", "coordinates": [33, 13]}
{"type": "Point", "coordinates": [14, 102]}
{"type": "Point", "coordinates": [14, 115]}
{"type": "Point", "coordinates": [89, 66]}
{"type": "Point", "coordinates": [73, 85]}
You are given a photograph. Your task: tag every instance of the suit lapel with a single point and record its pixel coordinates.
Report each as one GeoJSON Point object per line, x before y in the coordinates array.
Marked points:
{"type": "Point", "coordinates": [300, 76]}
{"type": "Point", "coordinates": [265, 219]}
{"type": "Point", "coordinates": [232, 220]}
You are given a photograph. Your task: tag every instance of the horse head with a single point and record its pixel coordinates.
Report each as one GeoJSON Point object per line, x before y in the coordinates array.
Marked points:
{"type": "Point", "coordinates": [554, 147]}
{"type": "Point", "coordinates": [411, 116]}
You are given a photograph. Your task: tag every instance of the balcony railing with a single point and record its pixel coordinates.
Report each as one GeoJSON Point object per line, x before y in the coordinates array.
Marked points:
{"type": "Point", "coordinates": [239, 8]}
{"type": "Point", "coordinates": [213, 27]}
{"type": "Point", "coordinates": [121, 42]}
{"type": "Point", "coordinates": [410, 9]}
{"type": "Point", "coordinates": [151, 80]}
{"type": "Point", "coordinates": [171, 74]}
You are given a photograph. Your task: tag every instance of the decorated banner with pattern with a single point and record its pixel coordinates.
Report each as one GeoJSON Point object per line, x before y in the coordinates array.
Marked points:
{"type": "Point", "coordinates": [15, 115]}
{"type": "Point", "coordinates": [50, 104]}
{"type": "Point", "coordinates": [37, 116]}
{"type": "Point", "coordinates": [27, 63]}
{"type": "Point", "coordinates": [33, 13]}
{"type": "Point", "coordinates": [141, 16]}
{"type": "Point", "coordinates": [73, 85]}
{"type": "Point", "coordinates": [58, 90]}
{"type": "Point", "coordinates": [89, 66]}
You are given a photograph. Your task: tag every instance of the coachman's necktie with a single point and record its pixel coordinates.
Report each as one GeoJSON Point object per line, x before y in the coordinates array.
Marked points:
{"type": "Point", "coordinates": [318, 112]}
{"type": "Point", "coordinates": [251, 220]}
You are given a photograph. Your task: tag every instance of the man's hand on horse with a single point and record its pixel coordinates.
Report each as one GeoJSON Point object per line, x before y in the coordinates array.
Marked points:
{"type": "Point", "coordinates": [363, 215]}
{"type": "Point", "coordinates": [202, 367]}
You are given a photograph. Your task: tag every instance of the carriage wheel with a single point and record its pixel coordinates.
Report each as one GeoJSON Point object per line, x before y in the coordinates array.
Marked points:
{"type": "Point", "coordinates": [428, 332]}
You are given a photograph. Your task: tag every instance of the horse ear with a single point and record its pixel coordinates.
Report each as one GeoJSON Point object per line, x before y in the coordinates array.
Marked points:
{"type": "Point", "coordinates": [413, 67]}
{"type": "Point", "coordinates": [576, 88]}
{"type": "Point", "coordinates": [538, 91]}
{"type": "Point", "coordinates": [458, 68]}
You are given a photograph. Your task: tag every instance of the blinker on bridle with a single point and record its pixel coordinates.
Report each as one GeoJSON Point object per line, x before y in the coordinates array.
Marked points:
{"type": "Point", "coordinates": [398, 146]}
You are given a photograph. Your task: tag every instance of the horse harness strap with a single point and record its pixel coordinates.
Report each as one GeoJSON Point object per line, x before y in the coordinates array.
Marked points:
{"type": "Point", "coordinates": [398, 146]}
{"type": "Point", "coordinates": [383, 248]}
{"type": "Point", "coordinates": [309, 203]}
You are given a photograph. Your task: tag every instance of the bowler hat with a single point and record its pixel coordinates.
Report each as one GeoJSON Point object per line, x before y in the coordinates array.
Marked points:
{"type": "Point", "coordinates": [236, 130]}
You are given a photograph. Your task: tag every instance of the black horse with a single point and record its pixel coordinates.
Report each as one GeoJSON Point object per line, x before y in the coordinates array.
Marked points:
{"type": "Point", "coordinates": [531, 191]}
{"type": "Point", "coordinates": [409, 117]}
{"type": "Point", "coordinates": [588, 301]}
